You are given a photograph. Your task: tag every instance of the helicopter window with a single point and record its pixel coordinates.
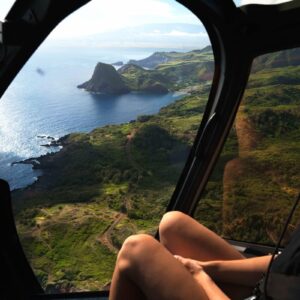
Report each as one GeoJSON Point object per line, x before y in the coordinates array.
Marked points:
{"type": "Point", "coordinates": [92, 145]}
{"type": "Point", "coordinates": [257, 177]}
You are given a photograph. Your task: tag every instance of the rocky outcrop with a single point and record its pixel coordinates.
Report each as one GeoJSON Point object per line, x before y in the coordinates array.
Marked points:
{"type": "Point", "coordinates": [105, 80]}
{"type": "Point", "coordinates": [159, 73]}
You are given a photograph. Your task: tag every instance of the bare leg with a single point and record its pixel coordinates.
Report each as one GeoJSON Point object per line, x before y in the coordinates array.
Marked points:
{"type": "Point", "coordinates": [146, 270]}
{"type": "Point", "coordinates": [182, 235]}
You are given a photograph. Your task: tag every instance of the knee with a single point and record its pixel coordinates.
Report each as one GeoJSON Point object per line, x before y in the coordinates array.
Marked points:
{"type": "Point", "coordinates": [136, 244]}
{"type": "Point", "coordinates": [134, 250]}
{"type": "Point", "coordinates": [172, 223]}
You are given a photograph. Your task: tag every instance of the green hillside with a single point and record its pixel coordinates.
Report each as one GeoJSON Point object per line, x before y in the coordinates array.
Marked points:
{"type": "Point", "coordinates": [124, 173]}
{"type": "Point", "coordinates": [117, 180]}
{"type": "Point", "coordinates": [177, 70]}
{"type": "Point", "coordinates": [257, 178]}
{"type": "Point", "coordinates": [159, 58]}
{"type": "Point", "coordinates": [139, 79]}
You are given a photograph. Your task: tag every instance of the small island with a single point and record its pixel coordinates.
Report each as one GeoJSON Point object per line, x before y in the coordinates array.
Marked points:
{"type": "Point", "coordinates": [129, 78]}
{"type": "Point", "coordinates": [105, 80]}
{"type": "Point", "coordinates": [160, 73]}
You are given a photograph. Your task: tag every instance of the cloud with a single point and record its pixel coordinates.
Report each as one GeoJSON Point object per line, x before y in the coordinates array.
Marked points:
{"type": "Point", "coordinates": [105, 16]}
{"type": "Point", "coordinates": [186, 34]}
{"type": "Point", "coordinates": [161, 35]}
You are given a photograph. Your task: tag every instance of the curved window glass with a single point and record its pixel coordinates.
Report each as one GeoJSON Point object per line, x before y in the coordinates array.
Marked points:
{"type": "Point", "coordinates": [256, 179]}
{"type": "Point", "coordinates": [95, 131]}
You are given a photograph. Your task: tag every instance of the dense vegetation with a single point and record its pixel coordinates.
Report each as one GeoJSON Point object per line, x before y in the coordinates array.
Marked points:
{"type": "Point", "coordinates": [117, 180]}
{"type": "Point", "coordinates": [166, 71]}
{"type": "Point", "coordinates": [100, 188]}
{"type": "Point", "coordinates": [176, 71]}
{"type": "Point", "coordinates": [257, 178]}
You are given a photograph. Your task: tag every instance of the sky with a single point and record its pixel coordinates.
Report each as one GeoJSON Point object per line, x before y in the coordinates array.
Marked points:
{"type": "Point", "coordinates": [102, 15]}
{"type": "Point", "coordinates": [136, 10]}
{"type": "Point", "coordinates": [119, 23]}
{"type": "Point", "coordinates": [105, 23]}
{"type": "Point", "coordinates": [105, 16]}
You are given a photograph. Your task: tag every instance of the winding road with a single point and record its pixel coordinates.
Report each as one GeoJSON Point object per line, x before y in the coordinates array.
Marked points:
{"type": "Point", "coordinates": [105, 238]}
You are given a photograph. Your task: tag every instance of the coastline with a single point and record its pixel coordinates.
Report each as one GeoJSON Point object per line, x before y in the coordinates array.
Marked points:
{"type": "Point", "coordinates": [127, 170]}
{"type": "Point", "coordinates": [86, 112]}
{"type": "Point", "coordinates": [41, 162]}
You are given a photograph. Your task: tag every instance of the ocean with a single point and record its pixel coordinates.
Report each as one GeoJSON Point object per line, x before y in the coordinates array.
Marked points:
{"type": "Point", "coordinates": [43, 102]}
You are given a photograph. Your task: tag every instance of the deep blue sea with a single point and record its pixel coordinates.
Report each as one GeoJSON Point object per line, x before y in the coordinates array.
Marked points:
{"type": "Point", "coordinates": [43, 101]}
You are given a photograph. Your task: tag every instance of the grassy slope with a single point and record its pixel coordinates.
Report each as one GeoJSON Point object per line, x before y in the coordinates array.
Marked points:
{"type": "Point", "coordinates": [183, 70]}
{"type": "Point", "coordinates": [127, 170]}
{"type": "Point", "coordinates": [139, 79]}
{"type": "Point", "coordinates": [184, 64]}
{"type": "Point", "coordinates": [261, 178]}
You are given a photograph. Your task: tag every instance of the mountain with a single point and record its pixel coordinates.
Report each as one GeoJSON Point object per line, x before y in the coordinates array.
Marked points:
{"type": "Point", "coordinates": [139, 79]}
{"type": "Point", "coordinates": [166, 71]}
{"type": "Point", "coordinates": [105, 80]}
{"type": "Point", "coordinates": [205, 49]}
{"type": "Point", "coordinates": [278, 59]}
{"type": "Point", "coordinates": [158, 58]}
{"type": "Point", "coordinates": [152, 61]}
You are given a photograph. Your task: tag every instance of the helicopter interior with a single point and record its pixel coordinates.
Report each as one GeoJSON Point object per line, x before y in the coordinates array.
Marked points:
{"type": "Point", "coordinates": [250, 118]}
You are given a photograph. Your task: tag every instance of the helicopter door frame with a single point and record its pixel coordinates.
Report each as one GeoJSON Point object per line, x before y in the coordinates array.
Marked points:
{"type": "Point", "coordinates": [237, 35]}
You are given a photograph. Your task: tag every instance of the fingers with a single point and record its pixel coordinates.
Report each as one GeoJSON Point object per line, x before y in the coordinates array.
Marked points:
{"type": "Point", "coordinates": [179, 258]}
{"type": "Point", "coordinates": [191, 265]}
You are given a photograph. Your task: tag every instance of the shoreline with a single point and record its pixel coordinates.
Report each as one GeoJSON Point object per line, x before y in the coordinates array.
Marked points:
{"type": "Point", "coordinates": [38, 162]}
{"type": "Point", "coordinates": [21, 178]}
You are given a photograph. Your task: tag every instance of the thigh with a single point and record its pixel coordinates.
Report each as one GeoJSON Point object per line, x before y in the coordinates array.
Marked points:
{"type": "Point", "coordinates": [183, 235]}
{"type": "Point", "coordinates": [156, 272]}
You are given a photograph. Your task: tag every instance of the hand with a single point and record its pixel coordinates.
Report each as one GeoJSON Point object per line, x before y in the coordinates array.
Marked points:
{"type": "Point", "coordinates": [193, 266]}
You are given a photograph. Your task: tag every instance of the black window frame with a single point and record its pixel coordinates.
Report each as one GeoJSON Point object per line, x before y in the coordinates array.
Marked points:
{"type": "Point", "coordinates": [238, 35]}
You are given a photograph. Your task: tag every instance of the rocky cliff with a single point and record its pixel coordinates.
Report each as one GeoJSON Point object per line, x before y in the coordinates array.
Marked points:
{"type": "Point", "coordinates": [105, 80]}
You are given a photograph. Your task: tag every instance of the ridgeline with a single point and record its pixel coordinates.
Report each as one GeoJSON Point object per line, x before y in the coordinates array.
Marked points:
{"type": "Point", "coordinates": [170, 71]}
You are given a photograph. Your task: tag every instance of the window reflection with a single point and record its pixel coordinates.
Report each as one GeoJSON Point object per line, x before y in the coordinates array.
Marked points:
{"type": "Point", "coordinates": [257, 176]}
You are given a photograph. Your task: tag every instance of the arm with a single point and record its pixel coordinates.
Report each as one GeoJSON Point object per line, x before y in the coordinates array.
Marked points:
{"type": "Point", "coordinates": [240, 272]}
{"type": "Point", "coordinates": [244, 272]}
{"type": "Point", "coordinates": [212, 291]}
